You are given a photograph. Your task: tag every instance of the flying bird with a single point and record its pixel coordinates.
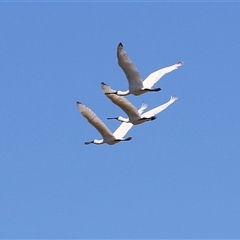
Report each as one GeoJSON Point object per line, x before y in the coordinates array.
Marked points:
{"type": "Point", "coordinates": [136, 85]}
{"type": "Point", "coordinates": [108, 137]}
{"type": "Point", "coordinates": [134, 116]}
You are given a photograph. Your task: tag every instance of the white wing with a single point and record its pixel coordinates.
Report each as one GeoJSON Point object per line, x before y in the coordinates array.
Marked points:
{"type": "Point", "coordinates": [122, 130]}
{"type": "Point", "coordinates": [160, 108]}
{"type": "Point", "coordinates": [142, 108]}
{"type": "Point", "coordinates": [94, 120]}
{"type": "Point", "coordinates": [155, 76]}
{"type": "Point", "coordinates": [120, 101]}
{"type": "Point", "coordinates": [131, 72]}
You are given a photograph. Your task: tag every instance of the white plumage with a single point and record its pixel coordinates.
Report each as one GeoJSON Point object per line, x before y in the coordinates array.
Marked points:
{"type": "Point", "coordinates": [136, 85]}
{"type": "Point", "coordinates": [134, 116]}
{"type": "Point", "coordinates": [108, 137]}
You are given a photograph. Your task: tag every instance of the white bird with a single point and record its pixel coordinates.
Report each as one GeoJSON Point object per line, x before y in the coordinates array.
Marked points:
{"type": "Point", "coordinates": [136, 85]}
{"type": "Point", "coordinates": [108, 137]}
{"type": "Point", "coordinates": [134, 116]}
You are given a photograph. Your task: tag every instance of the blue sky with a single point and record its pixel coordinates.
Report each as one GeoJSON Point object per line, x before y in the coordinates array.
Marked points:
{"type": "Point", "coordinates": [179, 175]}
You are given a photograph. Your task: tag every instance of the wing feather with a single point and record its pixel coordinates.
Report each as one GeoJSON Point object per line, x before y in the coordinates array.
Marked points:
{"type": "Point", "coordinates": [157, 75]}
{"type": "Point", "coordinates": [120, 101]}
{"type": "Point", "coordinates": [160, 108]}
{"type": "Point", "coordinates": [142, 108]}
{"type": "Point", "coordinates": [122, 130]}
{"type": "Point", "coordinates": [131, 72]}
{"type": "Point", "coordinates": [94, 120]}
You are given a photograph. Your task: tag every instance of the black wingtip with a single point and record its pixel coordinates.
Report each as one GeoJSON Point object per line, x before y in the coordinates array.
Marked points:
{"type": "Point", "coordinates": [103, 83]}
{"type": "Point", "coordinates": [78, 103]}
{"type": "Point", "coordinates": [120, 44]}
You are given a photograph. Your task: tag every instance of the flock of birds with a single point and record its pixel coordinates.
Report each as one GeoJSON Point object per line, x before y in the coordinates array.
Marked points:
{"type": "Point", "coordinates": [136, 87]}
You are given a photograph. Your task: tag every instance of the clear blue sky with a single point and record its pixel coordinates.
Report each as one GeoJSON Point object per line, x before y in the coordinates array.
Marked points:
{"type": "Point", "coordinates": [177, 178]}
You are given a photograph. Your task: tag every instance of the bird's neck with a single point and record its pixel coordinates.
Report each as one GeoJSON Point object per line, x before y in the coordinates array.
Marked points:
{"type": "Point", "coordinates": [123, 93]}
{"type": "Point", "coordinates": [122, 119]}
{"type": "Point", "coordinates": [96, 141]}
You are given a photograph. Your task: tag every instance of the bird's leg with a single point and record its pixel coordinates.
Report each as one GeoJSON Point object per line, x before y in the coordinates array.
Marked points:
{"type": "Point", "coordinates": [150, 118]}
{"type": "Point", "coordinates": [126, 139]}
{"type": "Point", "coordinates": [154, 90]}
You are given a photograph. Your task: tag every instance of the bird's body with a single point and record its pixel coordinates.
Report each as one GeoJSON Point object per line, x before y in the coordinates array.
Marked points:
{"type": "Point", "coordinates": [108, 137]}
{"type": "Point", "coordinates": [136, 85]}
{"type": "Point", "coordinates": [134, 116]}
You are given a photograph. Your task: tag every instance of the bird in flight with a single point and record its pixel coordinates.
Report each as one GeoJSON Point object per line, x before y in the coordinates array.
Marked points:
{"type": "Point", "coordinates": [108, 137]}
{"type": "Point", "coordinates": [136, 85]}
{"type": "Point", "coordinates": [134, 116]}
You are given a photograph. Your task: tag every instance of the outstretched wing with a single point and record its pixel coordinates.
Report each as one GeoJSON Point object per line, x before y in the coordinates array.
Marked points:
{"type": "Point", "coordinates": [155, 76]}
{"type": "Point", "coordinates": [94, 120]}
{"type": "Point", "coordinates": [142, 108]}
{"type": "Point", "coordinates": [122, 130]}
{"type": "Point", "coordinates": [160, 108]}
{"type": "Point", "coordinates": [120, 101]}
{"type": "Point", "coordinates": [131, 72]}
